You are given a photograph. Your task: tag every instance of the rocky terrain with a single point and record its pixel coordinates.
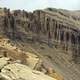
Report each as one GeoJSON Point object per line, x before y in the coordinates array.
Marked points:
{"type": "Point", "coordinates": [16, 64]}
{"type": "Point", "coordinates": [29, 50]}
{"type": "Point", "coordinates": [16, 71]}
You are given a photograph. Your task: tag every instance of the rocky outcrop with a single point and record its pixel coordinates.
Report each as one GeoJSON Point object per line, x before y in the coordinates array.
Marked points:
{"type": "Point", "coordinates": [27, 58]}
{"type": "Point", "coordinates": [51, 26]}
{"type": "Point", "coordinates": [15, 71]}
{"type": "Point", "coordinates": [59, 29]}
{"type": "Point", "coordinates": [21, 72]}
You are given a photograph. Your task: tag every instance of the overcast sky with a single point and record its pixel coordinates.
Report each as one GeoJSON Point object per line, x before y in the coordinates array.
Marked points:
{"type": "Point", "coordinates": [31, 5]}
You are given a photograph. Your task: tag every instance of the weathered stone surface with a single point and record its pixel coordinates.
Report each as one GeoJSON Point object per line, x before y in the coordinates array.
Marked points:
{"type": "Point", "coordinates": [22, 72]}
{"type": "Point", "coordinates": [32, 60]}
{"type": "Point", "coordinates": [3, 62]}
{"type": "Point", "coordinates": [54, 74]}
{"type": "Point", "coordinates": [4, 77]}
{"type": "Point", "coordinates": [59, 28]}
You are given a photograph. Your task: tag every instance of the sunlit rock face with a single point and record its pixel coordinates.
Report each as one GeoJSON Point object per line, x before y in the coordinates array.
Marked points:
{"type": "Point", "coordinates": [17, 71]}
{"type": "Point", "coordinates": [59, 28]}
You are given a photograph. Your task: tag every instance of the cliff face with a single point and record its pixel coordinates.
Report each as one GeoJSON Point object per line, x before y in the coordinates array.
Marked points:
{"type": "Point", "coordinates": [56, 32]}
{"type": "Point", "coordinates": [59, 28]}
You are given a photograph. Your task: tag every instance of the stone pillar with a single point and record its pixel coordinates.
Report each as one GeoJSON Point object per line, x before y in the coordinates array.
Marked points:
{"type": "Point", "coordinates": [53, 30]}
{"type": "Point", "coordinates": [77, 44]}
{"type": "Point", "coordinates": [49, 34]}
{"type": "Point", "coordinates": [69, 40]}
{"type": "Point", "coordinates": [58, 32]}
{"type": "Point", "coordinates": [42, 21]}
{"type": "Point", "coordinates": [65, 39]}
{"type": "Point", "coordinates": [13, 26]}
{"type": "Point", "coordinates": [78, 47]}
{"type": "Point", "coordinates": [59, 35]}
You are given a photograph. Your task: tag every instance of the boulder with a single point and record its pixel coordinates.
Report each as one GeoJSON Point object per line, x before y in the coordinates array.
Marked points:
{"type": "Point", "coordinates": [18, 71]}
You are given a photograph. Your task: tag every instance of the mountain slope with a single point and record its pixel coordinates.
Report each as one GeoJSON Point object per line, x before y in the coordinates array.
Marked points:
{"type": "Point", "coordinates": [22, 33]}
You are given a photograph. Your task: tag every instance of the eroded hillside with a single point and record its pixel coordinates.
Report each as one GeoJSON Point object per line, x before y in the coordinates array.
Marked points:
{"type": "Point", "coordinates": [45, 40]}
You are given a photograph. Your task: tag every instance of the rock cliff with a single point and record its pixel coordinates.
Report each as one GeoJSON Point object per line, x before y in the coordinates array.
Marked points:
{"type": "Point", "coordinates": [52, 34]}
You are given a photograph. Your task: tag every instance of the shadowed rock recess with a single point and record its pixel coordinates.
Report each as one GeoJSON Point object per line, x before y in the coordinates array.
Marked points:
{"type": "Point", "coordinates": [53, 35]}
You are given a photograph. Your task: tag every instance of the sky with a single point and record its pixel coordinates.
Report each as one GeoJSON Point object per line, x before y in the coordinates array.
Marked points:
{"type": "Point", "coordinates": [31, 5]}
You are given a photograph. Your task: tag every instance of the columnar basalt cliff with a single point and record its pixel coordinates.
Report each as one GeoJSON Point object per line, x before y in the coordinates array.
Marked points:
{"type": "Point", "coordinates": [57, 28]}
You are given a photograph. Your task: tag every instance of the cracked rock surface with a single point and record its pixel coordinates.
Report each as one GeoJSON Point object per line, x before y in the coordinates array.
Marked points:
{"type": "Point", "coordinates": [16, 71]}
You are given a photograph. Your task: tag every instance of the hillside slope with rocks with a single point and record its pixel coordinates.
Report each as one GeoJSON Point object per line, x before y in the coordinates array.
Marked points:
{"type": "Point", "coordinates": [29, 50]}
{"type": "Point", "coordinates": [16, 71]}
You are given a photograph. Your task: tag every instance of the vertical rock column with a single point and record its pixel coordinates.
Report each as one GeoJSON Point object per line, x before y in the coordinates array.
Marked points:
{"type": "Point", "coordinates": [58, 34]}
{"type": "Point", "coordinates": [78, 47]}
{"type": "Point", "coordinates": [61, 36]}
{"type": "Point", "coordinates": [8, 23]}
{"type": "Point", "coordinates": [13, 26]}
{"type": "Point", "coordinates": [68, 38]}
